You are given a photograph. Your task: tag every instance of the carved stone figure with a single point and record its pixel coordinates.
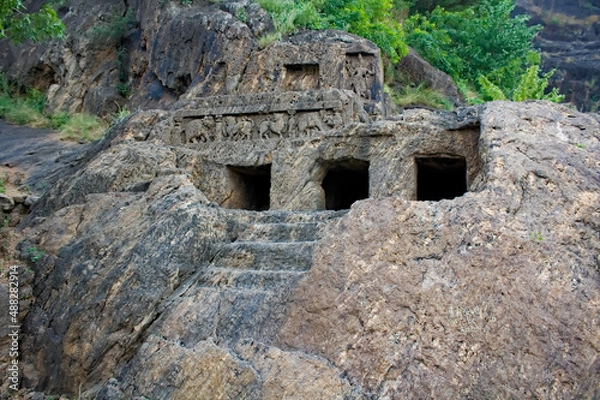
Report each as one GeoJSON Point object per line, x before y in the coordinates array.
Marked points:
{"type": "Point", "coordinates": [278, 124]}
{"type": "Point", "coordinates": [242, 129]}
{"type": "Point", "coordinates": [200, 130]}
{"type": "Point", "coordinates": [333, 119]}
{"type": "Point", "coordinates": [309, 124]}
{"type": "Point", "coordinates": [264, 128]}
{"type": "Point", "coordinates": [361, 75]}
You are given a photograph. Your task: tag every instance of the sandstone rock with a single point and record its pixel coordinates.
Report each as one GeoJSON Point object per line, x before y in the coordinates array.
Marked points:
{"type": "Point", "coordinates": [31, 200]}
{"type": "Point", "coordinates": [458, 298]}
{"type": "Point", "coordinates": [191, 51]}
{"type": "Point", "coordinates": [488, 294]}
{"type": "Point", "coordinates": [19, 198]}
{"type": "Point", "coordinates": [6, 203]}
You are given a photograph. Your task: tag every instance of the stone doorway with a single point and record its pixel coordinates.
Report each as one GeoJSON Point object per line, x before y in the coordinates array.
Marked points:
{"type": "Point", "coordinates": [345, 182]}
{"type": "Point", "coordinates": [440, 177]}
{"type": "Point", "coordinates": [251, 187]}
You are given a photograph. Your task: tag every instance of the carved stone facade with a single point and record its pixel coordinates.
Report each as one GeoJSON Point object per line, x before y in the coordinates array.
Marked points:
{"type": "Point", "coordinates": [306, 131]}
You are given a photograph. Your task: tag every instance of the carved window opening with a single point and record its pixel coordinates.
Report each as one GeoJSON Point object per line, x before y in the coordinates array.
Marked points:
{"type": "Point", "coordinates": [440, 177]}
{"type": "Point", "coordinates": [300, 77]}
{"type": "Point", "coordinates": [345, 182]}
{"type": "Point", "coordinates": [251, 187]}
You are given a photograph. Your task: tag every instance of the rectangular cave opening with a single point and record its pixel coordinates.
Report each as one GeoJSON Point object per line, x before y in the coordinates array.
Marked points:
{"type": "Point", "coordinates": [300, 77]}
{"type": "Point", "coordinates": [440, 177]}
{"type": "Point", "coordinates": [251, 187]}
{"type": "Point", "coordinates": [345, 182]}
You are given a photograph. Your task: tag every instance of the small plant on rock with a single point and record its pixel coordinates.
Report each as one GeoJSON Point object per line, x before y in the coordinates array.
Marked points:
{"type": "Point", "coordinates": [34, 254]}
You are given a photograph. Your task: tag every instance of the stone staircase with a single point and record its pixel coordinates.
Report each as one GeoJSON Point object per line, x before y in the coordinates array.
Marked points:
{"type": "Point", "coordinates": [269, 251]}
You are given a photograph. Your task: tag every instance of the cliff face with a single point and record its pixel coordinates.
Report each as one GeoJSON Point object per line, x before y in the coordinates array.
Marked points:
{"type": "Point", "coordinates": [570, 43]}
{"type": "Point", "coordinates": [143, 54]}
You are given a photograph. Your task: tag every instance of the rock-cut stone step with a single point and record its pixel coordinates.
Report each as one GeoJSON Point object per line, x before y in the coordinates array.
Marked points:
{"type": "Point", "coordinates": [280, 232]}
{"type": "Point", "coordinates": [265, 256]}
{"type": "Point", "coordinates": [236, 279]}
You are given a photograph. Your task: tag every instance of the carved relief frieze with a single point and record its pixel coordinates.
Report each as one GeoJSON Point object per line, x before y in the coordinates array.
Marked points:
{"type": "Point", "coordinates": [267, 117]}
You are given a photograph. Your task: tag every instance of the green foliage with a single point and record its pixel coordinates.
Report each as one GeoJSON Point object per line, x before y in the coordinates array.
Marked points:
{"type": "Point", "coordinates": [536, 237]}
{"type": "Point", "coordinates": [58, 120]}
{"type": "Point", "coordinates": [21, 105]}
{"type": "Point", "coordinates": [24, 106]}
{"type": "Point", "coordinates": [483, 46]}
{"type": "Point", "coordinates": [371, 19]}
{"type": "Point", "coordinates": [34, 254]}
{"type": "Point", "coordinates": [422, 6]}
{"type": "Point", "coordinates": [489, 91]}
{"type": "Point", "coordinates": [83, 128]}
{"type": "Point", "coordinates": [2, 185]}
{"type": "Point", "coordinates": [269, 38]}
{"type": "Point", "coordinates": [532, 86]}
{"type": "Point", "coordinates": [289, 16]}
{"type": "Point", "coordinates": [482, 40]}
{"type": "Point", "coordinates": [19, 25]}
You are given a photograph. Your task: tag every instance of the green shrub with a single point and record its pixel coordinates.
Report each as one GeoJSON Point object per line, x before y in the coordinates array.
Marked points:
{"type": "Point", "coordinates": [483, 46]}
{"type": "Point", "coordinates": [476, 41]}
{"type": "Point", "coordinates": [111, 33]}
{"type": "Point", "coordinates": [24, 106]}
{"type": "Point", "coordinates": [532, 86]}
{"type": "Point", "coordinates": [19, 25]}
{"type": "Point", "coordinates": [371, 19]}
{"type": "Point", "coordinates": [289, 16]}
{"type": "Point", "coordinates": [35, 254]}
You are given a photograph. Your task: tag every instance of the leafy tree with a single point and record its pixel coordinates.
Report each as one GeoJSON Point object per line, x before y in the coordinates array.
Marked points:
{"type": "Point", "coordinates": [371, 19]}
{"type": "Point", "coordinates": [17, 24]}
{"type": "Point", "coordinates": [482, 46]}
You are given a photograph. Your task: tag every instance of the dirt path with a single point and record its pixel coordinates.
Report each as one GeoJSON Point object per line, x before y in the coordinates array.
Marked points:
{"type": "Point", "coordinates": [30, 159]}
{"type": "Point", "coordinates": [29, 155]}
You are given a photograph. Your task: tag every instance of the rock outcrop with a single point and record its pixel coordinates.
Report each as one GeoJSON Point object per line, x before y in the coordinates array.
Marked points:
{"type": "Point", "coordinates": [274, 234]}
{"type": "Point", "coordinates": [150, 289]}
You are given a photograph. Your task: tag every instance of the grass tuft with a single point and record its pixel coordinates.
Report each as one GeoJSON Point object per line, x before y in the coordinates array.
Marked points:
{"type": "Point", "coordinates": [83, 128]}
{"type": "Point", "coordinates": [419, 95]}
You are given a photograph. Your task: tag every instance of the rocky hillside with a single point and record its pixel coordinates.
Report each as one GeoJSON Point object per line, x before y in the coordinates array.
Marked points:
{"type": "Point", "coordinates": [150, 290]}
{"type": "Point", "coordinates": [264, 228]}
{"type": "Point", "coordinates": [570, 43]}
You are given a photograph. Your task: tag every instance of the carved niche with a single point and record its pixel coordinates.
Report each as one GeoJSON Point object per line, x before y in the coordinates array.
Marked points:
{"type": "Point", "coordinates": [300, 77]}
{"type": "Point", "coordinates": [360, 74]}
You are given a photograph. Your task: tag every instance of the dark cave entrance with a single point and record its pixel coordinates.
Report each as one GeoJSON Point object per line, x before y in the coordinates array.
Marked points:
{"type": "Point", "coordinates": [252, 187]}
{"type": "Point", "coordinates": [440, 177]}
{"type": "Point", "coordinates": [345, 182]}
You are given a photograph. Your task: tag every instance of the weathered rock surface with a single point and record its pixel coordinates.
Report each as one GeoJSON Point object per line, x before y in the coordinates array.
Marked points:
{"type": "Point", "coordinates": [206, 250]}
{"type": "Point", "coordinates": [158, 51]}
{"type": "Point", "coordinates": [149, 289]}
{"type": "Point", "coordinates": [570, 43]}
{"type": "Point", "coordinates": [491, 295]}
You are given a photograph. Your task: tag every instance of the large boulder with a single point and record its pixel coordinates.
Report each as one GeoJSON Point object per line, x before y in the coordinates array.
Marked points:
{"type": "Point", "coordinates": [415, 70]}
